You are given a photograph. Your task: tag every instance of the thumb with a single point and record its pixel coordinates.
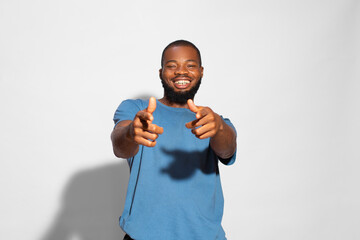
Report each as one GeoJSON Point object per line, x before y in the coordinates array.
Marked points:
{"type": "Point", "coordinates": [192, 106]}
{"type": "Point", "coordinates": [152, 105]}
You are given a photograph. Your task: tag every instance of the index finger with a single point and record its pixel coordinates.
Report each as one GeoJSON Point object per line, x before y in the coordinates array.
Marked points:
{"type": "Point", "coordinates": [191, 124]}
{"type": "Point", "coordinates": [146, 116]}
{"type": "Point", "coordinates": [155, 129]}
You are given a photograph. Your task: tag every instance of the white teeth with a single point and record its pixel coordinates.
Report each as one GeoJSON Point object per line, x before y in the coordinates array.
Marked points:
{"type": "Point", "coordinates": [182, 82]}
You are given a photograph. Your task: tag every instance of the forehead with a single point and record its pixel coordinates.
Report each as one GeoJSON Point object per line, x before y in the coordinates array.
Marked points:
{"type": "Point", "coordinates": [181, 53]}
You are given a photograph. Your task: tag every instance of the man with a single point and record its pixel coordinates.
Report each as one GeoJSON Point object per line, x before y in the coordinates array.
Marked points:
{"type": "Point", "coordinates": [173, 148]}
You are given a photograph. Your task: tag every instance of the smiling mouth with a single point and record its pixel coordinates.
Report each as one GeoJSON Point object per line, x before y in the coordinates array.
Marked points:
{"type": "Point", "coordinates": [181, 83]}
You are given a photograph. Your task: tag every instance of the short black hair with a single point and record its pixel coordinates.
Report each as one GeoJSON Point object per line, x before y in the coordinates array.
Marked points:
{"type": "Point", "coordinates": [183, 43]}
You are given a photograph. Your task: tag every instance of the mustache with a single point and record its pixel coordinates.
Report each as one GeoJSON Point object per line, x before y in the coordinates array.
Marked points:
{"type": "Point", "coordinates": [182, 76]}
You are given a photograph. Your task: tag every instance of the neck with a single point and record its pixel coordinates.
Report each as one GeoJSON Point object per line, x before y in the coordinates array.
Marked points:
{"type": "Point", "coordinates": [167, 102]}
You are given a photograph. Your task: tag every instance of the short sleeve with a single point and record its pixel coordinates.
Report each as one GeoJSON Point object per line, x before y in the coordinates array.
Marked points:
{"type": "Point", "coordinates": [127, 110]}
{"type": "Point", "coordinates": [231, 160]}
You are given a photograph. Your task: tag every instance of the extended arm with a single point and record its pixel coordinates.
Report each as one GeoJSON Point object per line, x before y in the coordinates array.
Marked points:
{"type": "Point", "coordinates": [224, 141]}
{"type": "Point", "coordinates": [128, 135]}
{"type": "Point", "coordinates": [123, 143]}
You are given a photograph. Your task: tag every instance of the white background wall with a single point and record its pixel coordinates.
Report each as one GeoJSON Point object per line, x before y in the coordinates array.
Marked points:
{"type": "Point", "coordinates": [286, 73]}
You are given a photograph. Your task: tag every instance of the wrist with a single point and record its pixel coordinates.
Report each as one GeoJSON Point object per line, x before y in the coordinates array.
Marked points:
{"type": "Point", "coordinates": [130, 134]}
{"type": "Point", "coordinates": [220, 126]}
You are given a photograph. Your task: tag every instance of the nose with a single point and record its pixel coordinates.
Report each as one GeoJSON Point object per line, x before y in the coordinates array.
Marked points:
{"type": "Point", "coordinates": [181, 70]}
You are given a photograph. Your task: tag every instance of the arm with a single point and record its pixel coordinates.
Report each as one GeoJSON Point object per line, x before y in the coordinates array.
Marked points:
{"type": "Point", "coordinates": [128, 135]}
{"type": "Point", "coordinates": [123, 143]}
{"type": "Point", "coordinates": [224, 141]}
{"type": "Point", "coordinates": [210, 125]}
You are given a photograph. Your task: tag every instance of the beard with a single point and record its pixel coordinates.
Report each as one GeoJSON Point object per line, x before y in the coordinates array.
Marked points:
{"type": "Point", "coordinates": [180, 97]}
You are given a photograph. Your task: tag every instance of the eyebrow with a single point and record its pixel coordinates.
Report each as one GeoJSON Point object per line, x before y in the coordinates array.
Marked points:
{"type": "Point", "coordinates": [190, 60]}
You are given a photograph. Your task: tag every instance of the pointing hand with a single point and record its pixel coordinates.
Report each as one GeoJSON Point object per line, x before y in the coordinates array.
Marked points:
{"type": "Point", "coordinates": [144, 132]}
{"type": "Point", "coordinates": [207, 123]}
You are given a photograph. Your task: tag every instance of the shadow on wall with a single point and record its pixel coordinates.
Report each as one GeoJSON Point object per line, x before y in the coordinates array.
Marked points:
{"type": "Point", "coordinates": [92, 202]}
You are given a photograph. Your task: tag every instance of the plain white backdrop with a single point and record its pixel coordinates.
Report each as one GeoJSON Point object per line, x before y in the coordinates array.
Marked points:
{"type": "Point", "coordinates": [287, 73]}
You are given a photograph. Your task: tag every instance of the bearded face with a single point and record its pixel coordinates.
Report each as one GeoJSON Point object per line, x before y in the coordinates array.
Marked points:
{"type": "Point", "coordinates": [181, 73]}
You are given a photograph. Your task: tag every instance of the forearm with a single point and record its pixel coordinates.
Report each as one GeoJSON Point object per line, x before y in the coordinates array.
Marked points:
{"type": "Point", "coordinates": [123, 145]}
{"type": "Point", "coordinates": [224, 142]}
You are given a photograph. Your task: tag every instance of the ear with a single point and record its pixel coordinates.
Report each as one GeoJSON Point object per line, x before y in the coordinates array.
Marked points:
{"type": "Point", "coordinates": [202, 71]}
{"type": "Point", "coordinates": [160, 71]}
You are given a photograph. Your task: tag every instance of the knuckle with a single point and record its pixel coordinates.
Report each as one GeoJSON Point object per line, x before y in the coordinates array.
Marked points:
{"type": "Point", "coordinates": [137, 139]}
{"type": "Point", "coordinates": [152, 137]}
{"type": "Point", "coordinates": [137, 131]}
{"type": "Point", "coordinates": [139, 113]}
{"type": "Point", "coordinates": [136, 122]}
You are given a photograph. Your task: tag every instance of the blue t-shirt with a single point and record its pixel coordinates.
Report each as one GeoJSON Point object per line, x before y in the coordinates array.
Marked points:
{"type": "Point", "coordinates": [174, 190]}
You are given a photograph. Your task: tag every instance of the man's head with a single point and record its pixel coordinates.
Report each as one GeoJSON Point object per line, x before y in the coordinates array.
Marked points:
{"type": "Point", "coordinates": [181, 71]}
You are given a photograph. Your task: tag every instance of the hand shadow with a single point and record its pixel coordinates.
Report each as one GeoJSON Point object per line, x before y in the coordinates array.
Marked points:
{"type": "Point", "coordinates": [91, 205]}
{"type": "Point", "coordinates": [184, 164]}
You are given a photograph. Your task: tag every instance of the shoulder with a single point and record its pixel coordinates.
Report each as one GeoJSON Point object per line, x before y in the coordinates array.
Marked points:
{"type": "Point", "coordinates": [138, 104]}
{"type": "Point", "coordinates": [128, 109]}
